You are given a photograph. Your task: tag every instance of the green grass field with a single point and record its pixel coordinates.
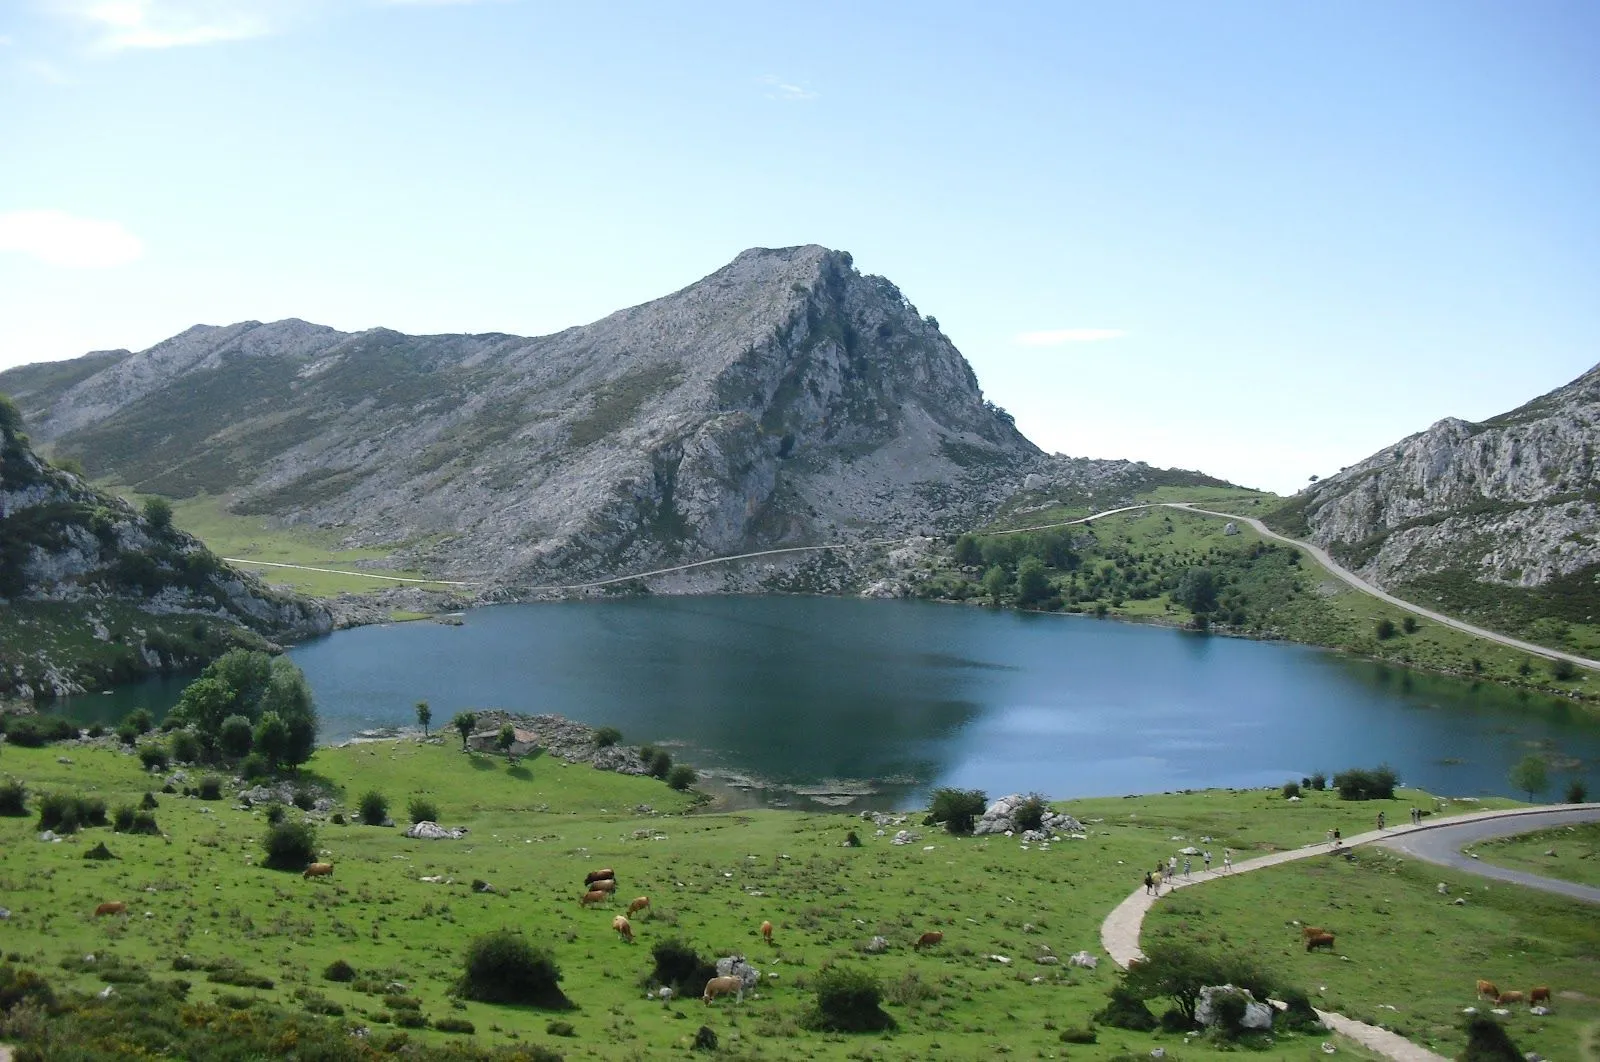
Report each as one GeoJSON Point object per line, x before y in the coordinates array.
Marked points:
{"type": "Point", "coordinates": [537, 827]}
{"type": "Point", "coordinates": [1571, 853]}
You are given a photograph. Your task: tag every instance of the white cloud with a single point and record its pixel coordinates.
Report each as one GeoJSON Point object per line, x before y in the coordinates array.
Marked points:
{"type": "Point", "coordinates": [782, 90]}
{"type": "Point", "coordinates": [43, 70]}
{"type": "Point", "coordinates": [61, 239]}
{"type": "Point", "coordinates": [1058, 336]}
{"type": "Point", "coordinates": [119, 25]}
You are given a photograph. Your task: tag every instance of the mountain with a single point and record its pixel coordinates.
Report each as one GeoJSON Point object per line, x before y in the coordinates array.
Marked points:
{"type": "Point", "coordinates": [786, 399]}
{"type": "Point", "coordinates": [1496, 520]}
{"type": "Point", "coordinates": [94, 592]}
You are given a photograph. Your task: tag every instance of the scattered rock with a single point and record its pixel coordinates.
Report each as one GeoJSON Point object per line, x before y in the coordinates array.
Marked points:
{"type": "Point", "coordinates": [735, 966]}
{"type": "Point", "coordinates": [432, 831]}
{"type": "Point", "coordinates": [1000, 818]}
{"type": "Point", "coordinates": [876, 946]}
{"type": "Point", "coordinates": [1083, 959]}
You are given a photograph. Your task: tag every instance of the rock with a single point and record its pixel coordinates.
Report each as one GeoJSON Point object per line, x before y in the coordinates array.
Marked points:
{"type": "Point", "coordinates": [5, 913]}
{"type": "Point", "coordinates": [1442, 889]}
{"type": "Point", "coordinates": [1459, 901]}
{"type": "Point", "coordinates": [107, 992]}
{"type": "Point", "coordinates": [1000, 818]}
{"type": "Point", "coordinates": [905, 837]}
{"type": "Point", "coordinates": [1539, 1011]}
{"type": "Point", "coordinates": [1230, 528]}
{"type": "Point", "coordinates": [1256, 1015]}
{"type": "Point", "coordinates": [48, 835]}
{"type": "Point", "coordinates": [1003, 960]}
{"type": "Point", "coordinates": [1048, 960]}
{"type": "Point", "coordinates": [876, 946]}
{"type": "Point", "coordinates": [479, 885]}
{"type": "Point", "coordinates": [736, 966]}
{"type": "Point", "coordinates": [1084, 959]}
{"type": "Point", "coordinates": [432, 831]}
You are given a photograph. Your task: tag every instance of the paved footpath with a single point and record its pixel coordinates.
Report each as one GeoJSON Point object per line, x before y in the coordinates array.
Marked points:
{"type": "Point", "coordinates": [1119, 933]}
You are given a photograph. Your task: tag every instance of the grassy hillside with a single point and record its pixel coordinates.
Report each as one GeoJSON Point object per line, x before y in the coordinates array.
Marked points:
{"type": "Point", "coordinates": [198, 898]}
{"type": "Point", "coordinates": [1571, 853]}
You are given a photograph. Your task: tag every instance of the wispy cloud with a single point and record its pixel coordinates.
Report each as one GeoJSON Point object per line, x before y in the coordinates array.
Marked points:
{"type": "Point", "coordinates": [61, 239]}
{"type": "Point", "coordinates": [43, 70]}
{"type": "Point", "coordinates": [1056, 337]}
{"type": "Point", "coordinates": [779, 89]}
{"type": "Point", "coordinates": [120, 25]}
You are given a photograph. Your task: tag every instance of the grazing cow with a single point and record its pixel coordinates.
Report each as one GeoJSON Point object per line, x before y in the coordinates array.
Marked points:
{"type": "Point", "coordinates": [766, 932]}
{"type": "Point", "coordinates": [1487, 990]}
{"type": "Point", "coordinates": [317, 870]}
{"type": "Point", "coordinates": [593, 896]}
{"type": "Point", "coordinates": [598, 875]}
{"type": "Point", "coordinates": [1539, 995]}
{"type": "Point", "coordinates": [1307, 932]}
{"type": "Point", "coordinates": [1321, 940]}
{"type": "Point", "coordinates": [721, 986]}
{"type": "Point", "coordinates": [928, 940]}
{"type": "Point", "coordinates": [1508, 997]}
{"type": "Point", "coordinates": [623, 927]}
{"type": "Point", "coordinates": [638, 905]}
{"type": "Point", "coordinates": [114, 908]}
{"type": "Point", "coordinates": [604, 885]}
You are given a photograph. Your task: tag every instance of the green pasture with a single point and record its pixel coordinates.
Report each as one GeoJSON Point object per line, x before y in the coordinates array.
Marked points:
{"type": "Point", "coordinates": [1407, 956]}
{"type": "Point", "coordinates": [537, 826]}
{"type": "Point", "coordinates": [1571, 853]}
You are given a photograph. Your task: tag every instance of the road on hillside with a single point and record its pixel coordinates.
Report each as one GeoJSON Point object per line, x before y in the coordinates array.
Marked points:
{"type": "Point", "coordinates": [1443, 845]}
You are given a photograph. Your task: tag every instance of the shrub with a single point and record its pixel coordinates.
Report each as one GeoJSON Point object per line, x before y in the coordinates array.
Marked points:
{"type": "Point", "coordinates": [232, 975]}
{"type": "Point", "coordinates": [274, 814]}
{"type": "Point", "coordinates": [502, 967]}
{"type": "Point", "coordinates": [1126, 1010]}
{"type": "Point", "coordinates": [127, 734]}
{"type": "Point", "coordinates": [96, 730]}
{"type": "Point", "coordinates": [255, 766]}
{"type": "Point", "coordinates": [339, 970]}
{"type": "Point", "coordinates": [319, 1004]}
{"type": "Point", "coordinates": [374, 808]}
{"type": "Point", "coordinates": [1179, 972]}
{"type": "Point", "coordinates": [1319, 781]}
{"type": "Point", "coordinates": [421, 809]}
{"type": "Point", "coordinates": [958, 809]}
{"type": "Point", "coordinates": [455, 1025]}
{"type": "Point", "coordinates": [1077, 1036]}
{"type": "Point", "coordinates": [409, 1019]}
{"type": "Point", "coordinates": [290, 846]}
{"type": "Point", "coordinates": [122, 820]}
{"type": "Point", "coordinates": [1376, 783]}
{"type": "Point", "coordinates": [851, 840]}
{"type": "Point", "coordinates": [556, 1027]}
{"type": "Point", "coordinates": [1563, 670]}
{"type": "Point", "coordinates": [99, 852]}
{"type": "Point", "coordinates": [34, 731]}
{"type": "Point", "coordinates": [1409, 624]}
{"type": "Point", "coordinates": [149, 802]}
{"type": "Point", "coordinates": [184, 745]}
{"type": "Point", "coordinates": [660, 763]}
{"type": "Point", "coordinates": [65, 813]}
{"type": "Point", "coordinates": [848, 1000]}
{"type": "Point", "coordinates": [1298, 1014]}
{"type": "Point", "coordinates": [607, 736]}
{"type": "Point", "coordinates": [235, 735]}
{"type": "Point", "coordinates": [13, 797]}
{"type": "Point", "coordinates": [23, 986]}
{"type": "Point", "coordinates": [1385, 629]}
{"type": "Point", "coordinates": [154, 757]}
{"type": "Point", "coordinates": [679, 967]}
{"type": "Point", "coordinates": [140, 720]}
{"type": "Point", "coordinates": [210, 788]}
{"type": "Point", "coordinates": [338, 818]}
{"type": "Point", "coordinates": [1291, 789]}
{"type": "Point", "coordinates": [682, 777]}
{"type": "Point", "coordinates": [1030, 813]}
{"type": "Point", "coordinates": [1487, 1041]}
{"type": "Point", "coordinates": [1577, 792]}
{"type": "Point", "coordinates": [305, 799]}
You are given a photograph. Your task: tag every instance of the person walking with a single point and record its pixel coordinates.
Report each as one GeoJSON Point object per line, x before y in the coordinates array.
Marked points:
{"type": "Point", "coordinates": [1227, 861]}
{"type": "Point", "coordinates": [1336, 837]}
{"type": "Point", "coordinates": [1186, 866]}
{"type": "Point", "coordinates": [1380, 820]}
{"type": "Point", "coordinates": [1206, 856]}
{"type": "Point", "coordinates": [1149, 883]}
{"type": "Point", "coordinates": [1172, 866]}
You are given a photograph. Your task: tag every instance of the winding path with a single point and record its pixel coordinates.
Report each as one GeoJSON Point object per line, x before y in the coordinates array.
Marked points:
{"type": "Point", "coordinates": [1119, 933]}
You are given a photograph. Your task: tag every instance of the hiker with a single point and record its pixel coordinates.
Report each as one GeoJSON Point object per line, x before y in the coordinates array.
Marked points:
{"type": "Point", "coordinates": [1336, 837]}
{"type": "Point", "coordinates": [1185, 866]}
{"type": "Point", "coordinates": [1206, 855]}
{"type": "Point", "coordinates": [1380, 820]}
{"type": "Point", "coordinates": [1149, 883]}
{"type": "Point", "coordinates": [1227, 861]}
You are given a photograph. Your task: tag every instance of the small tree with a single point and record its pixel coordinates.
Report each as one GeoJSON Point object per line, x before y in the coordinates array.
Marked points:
{"type": "Point", "coordinates": [374, 808]}
{"type": "Point", "coordinates": [682, 777]}
{"type": "Point", "coordinates": [1179, 972]}
{"type": "Point", "coordinates": [1577, 792]}
{"type": "Point", "coordinates": [848, 1000]}
{"type": "Point", "coordinates": [996, 583]}
{"type": "Point", "coordinates": [1385, 629]}
{"type": "Point", "coordinates": [235, 736]}
{"type": "Point", "coordinates": [506, 738]}
{"type": "Point", "coordinates": [1530, 775]}
{"type": "Point", "coordinates": [421, 809]}
{"type": "Point", "coordinates": [660, 763]}
{"type": "Point", "coordinates": [465, 723]}
{"type": "Point", "coordinates": [958, 809]}
{"type": "Point", "coordinates": [140, 720]}
{"type": "Point", "coordinates": [1409, 624]}
{"type": "Point", "coordinates": [1030, 814]}
{"type": "Point", "coordinates": [1562, 670]}
{"type": "Point", "coordinates": [158, 511]}
{"type": "Point", "coordinates": [424, 716]}
{"type": "Point", "coordinates": [290, 846]}
{"type": "Point", "coordinates": [502, 967]}
{"type": "Point", "coordinates": [607, 736]}
{"type": "Point", "coordinates": [272, 739]}
{"type": "Point", "coordinates": [1033, 585]}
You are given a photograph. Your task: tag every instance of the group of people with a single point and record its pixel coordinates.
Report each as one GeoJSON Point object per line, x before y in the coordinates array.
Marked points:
{"type": "Point", "coordinates": [1335, 838]}
{"type": "Point", "coordinates": [1168, 871]}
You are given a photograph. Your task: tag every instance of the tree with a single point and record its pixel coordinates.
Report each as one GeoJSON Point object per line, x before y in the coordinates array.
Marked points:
{"type": "Point", "coordinates": [289, 696]}
{"type": "Point", "coordinates": [502, 967]}
{"type": "Point", "coordinates": [290, 846]}
{"type": "Point", "coordinates": [506, 738]}
{"type": "Point", "coordinates": [424, 716]}
{"type": "Point", "coordinates": [1197, 590]}
{"type": "Point", "coordinates": [158, 511]}
{"type": "Point", "coordinates": [234, 736]}
{"type": "Point", "coordinates": [465, 723]}
{"type": "Point", "coordinates": [272, 739]}
{"type": "Point", "coordinates": [1562, 670]}
{"type": "Point", "coordinates": [967, 554]}
{"type": "Point", "coordinates": [1530, 775]}
{"type": "Point", "coordinates": [1385, 629]}
{"type": "Point", "coordinates": [995, 583]}
{"type": "Point", "coordinates": [205, 703]}
{"type": "Point", "coordinates": [682, 777]}
{"type": "Point", "coordinates": [958, 809]}
{"type": "Point", "coordinates": [1409, 624]}
{"type": "Point", "coordinates": [1032, 583]}
{"type": "Point", "coordinates": [1179, 972]}
{"type": "Point", "coordinates": [374, 808]}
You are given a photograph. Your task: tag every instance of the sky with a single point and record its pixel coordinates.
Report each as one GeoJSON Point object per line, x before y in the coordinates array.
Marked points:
{"type": "Point", "coordinates": [1259, 240]}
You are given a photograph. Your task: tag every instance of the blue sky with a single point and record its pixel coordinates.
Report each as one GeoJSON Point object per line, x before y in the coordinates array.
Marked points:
{"type": "Point", "coordinates": [1259, 240]}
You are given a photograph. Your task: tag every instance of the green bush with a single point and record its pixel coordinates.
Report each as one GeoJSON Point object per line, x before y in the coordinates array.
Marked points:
{"type": "Point", "coordinates": [958, 809]}
{"type": "Point", "coordinates": [1577, 793]}
{"type": "Point", "coordinates": [255, 767]}
{"type": "Point", "coordinates": [22, 985]}
{"type": "Point", "coordinates": [35, 731]}
{"type": "Point", "coordinates": [607, 736]}
{"type": "Point", "coordinates": [1030, 814]}
{"type": "Point", "coordinates": [1291, 789]}
{"type": "Point", "coordinates": [1298, 1014]}
{"type": "Point", "coordinates": [153, 756]}
{"type": "Point", "coordinates": [149, 802]}
{"type": "Point", "coordinates": [1487, 1041]}
{"type": "Point", "coordinates": [1126, 1010]}
{"type": "Point", "coordinates": [99, 852]}
{"type": "Point", "coordinates": [13, 797]}
{"type": "Point", "coordinates": [339, 970]}
{"type": "Point", "coordinates": [235, 736]}
{"type": "Point", "coordinates": [556, 1027]}
{"type": "Point", "coordinates": [1318, 781]}
{"type": "Point", "coordinates": [455, 1025]}
{"type": "Point", "coordinates": [210, 788]}
{"type": "Point", "coordinates": [185, 746]}
{"type": "Point", "coordinates": [409, 1019]}
{"type": "Point", "coordinates": [374, 808]}
{"type": "Point", "coordinates": [290, 846]}
{"type": "Point", "coordinates": [679, 967]}
{"type": "Point", "coordinates": [1376, 783]}
{"type": "Point", "coordinates": [660, 763]}
{"type": "Point", "coordinates": [67, 813]}
{"type": "Point", "coordinates": [127, 734]}
{"type": "Point", "coordinates": [140, 720]}
{"type": "Point", "coordinates": [849, 999]}
{"type": "Point", "coordinates": [682, 777]}
{"type": "Point", "coordinates": [1077, 1036]}
{"type": "Point", "coordinates": [144, 822]}
{"type": "Point", "coordinates": [421, 809]}
{"type": "Point", "coordinates": [1385, 629]}
{"type": "Point", "coordinates": [502, 967]}
{"type": "Point", "coordinates": [305, 799]}
{"type": "Point", "coordinates": [1563, 670]}
{"type": "Point", "coordinates": [275, 814]}
{"type": "Point", "coordinates": [122, 819]}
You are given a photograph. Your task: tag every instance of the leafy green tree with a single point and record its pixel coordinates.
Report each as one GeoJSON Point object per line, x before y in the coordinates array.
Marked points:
{"type": "Point", "coordinates": [272, 739]}
{"type": "Point", "coordinates": [1530, 775]}
{"type": "Point", "coordinates": [465, 723]}
{"type": "Point", "coordinates": [1178, 972]}
{"type": "Point", "coordinates": [1385, 629]}
{"type": "Point", "coordinates": [682, 777]}
{"type": "Point", "coordinates": [1033, 585]}
{"type": "Point", "coordinates": [140, 720]}
{"type": "Point", "coordinates": [660, 763]}
{"type": "Point", "coordinates": [958, 809]}
{"type": "Point", "coordinates": [234, 736]}
{"type": "Point", "coordinates": [967, 552]}
{"type": "Point", "coordinates": [506, 738]}
{"type": "Point", "coordinates": [996, 583]}
{"type": "Point", "coordinates": [246, 672]}
{"type": "Point", "coordinates": [848, 1000]}
{"type": "Point", "coordinates": [1197, 590]}
{"type": "Point", "coordinates": [288, 695]}
{"type": "Point", "coordinates": [607, 736]}
{"type": "Point", "coordinates": [204, 704]}
{"type": "Point", "coordinates": [424, 716]}
{"type": "Point", "coordinates": [158, 511]}
{"type": "Point", "coordinates": [502, 967]}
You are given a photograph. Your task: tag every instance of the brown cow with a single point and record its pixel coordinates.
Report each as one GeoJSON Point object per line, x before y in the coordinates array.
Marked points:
{"type": "Point", "coordinates": [1307, 932]}
{"type": "Point", "coordinates": [1321, 940]}
{"type": "Point", "coordinates": [623, 927]}
{"type": "Point", "coordinates": [766, 932]}
{"type": "Point", "coordinates": [113, 908]}
{"type": "Point", "coordinates": [1508, 997]}
{"type": "Point", "coordinates": [604, 885]}
{"type": "Point", "coordinates": [721, 986]}
{"type": "Point", "coordinates": [638, 905]}
{"type": "Point", "coordinates": [1487, 990]}
{"type": "Point", "coordinates": [317, 870]}
{"type": "Point", "coordinates": [928, 940]}
{"type": "Point", "coordinates": [598, 875]}
{"type": "Point", "coordinates": [1539, 995]}
{"type": "Point", "coordinates": [593, 896]}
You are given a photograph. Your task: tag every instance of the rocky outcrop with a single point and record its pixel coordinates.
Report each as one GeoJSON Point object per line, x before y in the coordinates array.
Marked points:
{"type": "Point", "coordinates": [1001, 817]}
{"type": "Point", "coordinates": [1209, 1011]}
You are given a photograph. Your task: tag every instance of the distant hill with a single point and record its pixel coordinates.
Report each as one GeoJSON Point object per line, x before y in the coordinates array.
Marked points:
{"type": "Point", "coordinates": [786, 399]}
{"type": "Point", "coordinates": [92, 592]}
{"type": "Point", "coordinates": [1497, 521]}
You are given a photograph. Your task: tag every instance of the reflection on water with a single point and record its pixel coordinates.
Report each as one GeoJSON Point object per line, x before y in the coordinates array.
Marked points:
{"type": "Point", "coordinates": [914, 695]}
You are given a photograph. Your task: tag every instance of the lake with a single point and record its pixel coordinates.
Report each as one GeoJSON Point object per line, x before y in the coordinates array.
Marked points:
{"type": "Point", "coordinates": [907, 695]}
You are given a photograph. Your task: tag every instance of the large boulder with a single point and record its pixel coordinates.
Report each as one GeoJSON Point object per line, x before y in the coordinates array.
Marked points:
{"type": "Point", "coordinates": [432, 831]}
{"type": "Point", "coordinates": [735, 966]}
{"type": "Point", "coordinates": [1208, 1013]}
{"type": "Point", "coordinates": [1001, 817]}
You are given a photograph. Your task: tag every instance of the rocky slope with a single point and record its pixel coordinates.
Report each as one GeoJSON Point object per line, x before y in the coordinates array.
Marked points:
{"type": "Point", "coordinates": [786, 399]}
{"type": "Point", "coordinates": [1499, 516]}
{"type": "Point", "coordinates": [92, 592]}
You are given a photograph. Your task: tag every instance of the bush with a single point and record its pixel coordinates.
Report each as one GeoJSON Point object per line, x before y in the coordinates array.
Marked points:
{"type": "Point", "coordinates": [1178, 972]}
{"type": "Point", "coordinates": [679, 967]}
{"type": "Point", "coordinates": [851, 840]}
{"type": "Point", "coordinates": [1077, 1036]}
{"type": "Point", "coordinates": [556, 1027]}
{"type": "Point", "coordinates": [1291, 789]}
{"type": "Point", "coordinates": [65, 813]}
{"type": "Point", "coordinates": [23, 986]}
{"type": "Point", "coordinates": [122, 820]}
{"type": "Point", "coordinates": [140, 720]}
{"type": "Point", "coordinates": [127, 734]}
{"type": "Point", "coordinates": [1577, 793]}
{"type": "Point", "coordinates": [502, 967]}
{"type": "Point", "coordinates": [848, 1000]}
{"type": "Point", "coordinates": [154, 757]}
{"type": "Point", "coordinates": [422, 810]}
{"type": "Point", "coordinates": [409, 1019]}
{"type": "Point", "coordinates": [339, 970]}
{"type": "Point", "coordinates": [1298, 1014]}
{"type": "Point", "coordinates": [184, 745]}
{"type": "Point", "coordinates": [290, 846]}
{"type": "Point", "coordinates": [149, 802]}
{"type": "Point", "coordinates": [99, 852]}
{"type": "Point", "coordinates": [1376, 783]}
{"type": "Point", "coordinates": [13, 797]}
{"type": "Point", "coordinates": [1030, 813]}
{"type": "Point", "coordinates": [682, 777]}
{"type": "Point", "coordinates": [254, 767]}
{"type": "Point", "coordinates": [660, 763]}
{"type": "Point", "coordinates": [1126, 1011]}
{"type": "Point", "coordinates": [1318, 781]}
{"type": "Point", "coordinates": [958, 809]}
{"type": "Point", "coordinates": [1487, 1041]}
{"type": "Point", "coordinates": [1385, 629]}
{"type": "Point", "coordinates": [607, 736]}
{"type": "Point", "coordinates": [1563, 670]}
{"type": "Point", "coordinates": [305, 799]}
{"type": "Point", "coordinates": [374, 808]}
{"type": "Point", "coordinates": [338, 818]}
{"type": "Point", "coordinates": [96, 730]}
{"type": "Point", "coordinates": [274, 814]}
{"type": "Point", "coordinates": [232, 975]}
{"type": "Point", "coordinates": [35, 731]}
{"type": "Point", "coordinates": [455, 1025]}
{"type": "Point", "coordinates": [210, 788]}
{"type": "Point", "coordinates": [235, 735]}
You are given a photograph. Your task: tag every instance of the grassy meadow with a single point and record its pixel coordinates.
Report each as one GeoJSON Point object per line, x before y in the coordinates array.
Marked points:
{"type": "Point", "coordinates": [538, 826]}
{"type": "Point", "coordinates": [1571, 853]}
